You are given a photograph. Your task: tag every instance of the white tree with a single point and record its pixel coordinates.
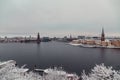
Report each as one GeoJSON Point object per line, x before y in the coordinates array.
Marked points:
{"type": "Point", "coordinates": [8, 71]}
{"type": "Point", "coordinates": [101, 72]}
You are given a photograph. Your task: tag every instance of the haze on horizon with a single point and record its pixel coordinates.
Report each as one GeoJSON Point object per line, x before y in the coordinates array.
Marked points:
{"type": "Point", "coordinates": [59, 17]}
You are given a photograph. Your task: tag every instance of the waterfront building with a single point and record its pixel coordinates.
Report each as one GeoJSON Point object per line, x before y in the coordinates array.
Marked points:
{"type": "Point", "coordinates": [97, 42]}
{"type": "Point", "coordinates": [116, 43]}
{"type": "Point", "coordinates": [81, 37]}
{"type": "Point", "coordinates": [45, 39]}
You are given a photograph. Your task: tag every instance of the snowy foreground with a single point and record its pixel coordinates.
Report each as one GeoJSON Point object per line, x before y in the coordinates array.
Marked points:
{"type": "Point", "coordinates": [8, 71]}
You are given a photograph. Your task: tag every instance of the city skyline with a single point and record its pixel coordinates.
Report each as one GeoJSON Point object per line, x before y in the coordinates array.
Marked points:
{"type": "Point", "coordinates": [59, 18]}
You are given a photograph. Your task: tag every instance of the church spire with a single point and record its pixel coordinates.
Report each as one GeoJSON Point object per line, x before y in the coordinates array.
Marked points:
{"type": "Point", "coordinates": [38, 38]}
{"type": "Point", "coordinates": [103, 35]}
{"type": "Point", "coordinates": [102, 30]}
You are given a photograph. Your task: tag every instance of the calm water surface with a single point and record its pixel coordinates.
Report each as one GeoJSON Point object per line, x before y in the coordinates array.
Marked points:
{"type": "Point", "coordinates": [50, 54]}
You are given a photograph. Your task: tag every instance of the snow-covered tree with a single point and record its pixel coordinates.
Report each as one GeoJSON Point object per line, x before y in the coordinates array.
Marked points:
{"type": "Point", "coordinates": [8, 71]}
{"type": "Point", "coordinates": [101, 72]}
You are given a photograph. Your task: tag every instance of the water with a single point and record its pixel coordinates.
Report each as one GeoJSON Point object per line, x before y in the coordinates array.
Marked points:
{"type": "Point", "coordinates": [49, 54]}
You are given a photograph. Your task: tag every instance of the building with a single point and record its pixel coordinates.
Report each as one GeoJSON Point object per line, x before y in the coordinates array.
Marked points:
{"type": "Point", "coordinates": [81, 37]}
{"type": "Point", "coordinates": [103, 35]}
{"type": "Point", "coordinates": [38, 39]}
{"type": "Point", "coordinates": [116, 43]}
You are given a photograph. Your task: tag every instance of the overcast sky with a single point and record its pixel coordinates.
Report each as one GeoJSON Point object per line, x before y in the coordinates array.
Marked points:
{"type": "Point", "coordinates": [59, 17]}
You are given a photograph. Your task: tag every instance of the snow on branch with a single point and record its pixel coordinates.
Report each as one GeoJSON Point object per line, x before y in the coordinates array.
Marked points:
{"type": "Point", "coordinates": [101, 72]}
{"type": "Point", "coordinates": [8, 71]}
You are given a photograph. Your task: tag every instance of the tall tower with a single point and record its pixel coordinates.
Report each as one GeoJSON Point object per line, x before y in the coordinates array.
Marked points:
{"type": "Point", "coordinates": [70, 36]}
{"type": "Point", "coordinates": [103, 35]}
{"type": "Point", "coordinates": [38, 38]}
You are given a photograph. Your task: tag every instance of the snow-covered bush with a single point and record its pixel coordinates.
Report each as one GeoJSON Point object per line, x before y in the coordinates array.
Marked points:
{"type": "Point", "coordinates": [8, 71]}
{"type": "Point", "coordinates": [101, 72]}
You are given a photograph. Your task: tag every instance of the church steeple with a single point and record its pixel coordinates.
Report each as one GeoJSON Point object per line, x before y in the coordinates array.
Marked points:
{"type": "Point", "coordinates": [38, 38]}
{"type": "Point", "coordinates": [103, 35]}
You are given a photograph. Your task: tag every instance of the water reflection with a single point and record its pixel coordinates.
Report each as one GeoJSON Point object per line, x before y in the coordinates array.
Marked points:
{"type": "Point", "coordinates": [102, 55]}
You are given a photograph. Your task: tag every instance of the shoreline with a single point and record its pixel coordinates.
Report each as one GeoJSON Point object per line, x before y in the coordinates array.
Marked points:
{"type": "Point", "coordinates": [93, 46]}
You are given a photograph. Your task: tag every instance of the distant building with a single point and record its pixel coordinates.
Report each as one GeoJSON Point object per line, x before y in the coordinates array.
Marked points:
{"type": "Point", "coordinates": [70, 36]}
{"type": "Point", "coordinates": [38, 38]}
{"type": "Point", "coordinates": [116, 43]}
{"type": "Point", "coordinates": [70, 39]}
{"type": "Point", "coordinates": [65, 39]}
{"type": "Point", "coordinates": [103, 35]}
{"type": "Point", "coordinates": [81, 37]}
{"type": "Point", "coordinates": [96, 38]}
{"type": "Point", "coordinates": [45, 39]}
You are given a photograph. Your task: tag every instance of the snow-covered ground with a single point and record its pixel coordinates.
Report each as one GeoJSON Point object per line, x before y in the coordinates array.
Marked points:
{"type": "Point", "coordinates": [8, 71]}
